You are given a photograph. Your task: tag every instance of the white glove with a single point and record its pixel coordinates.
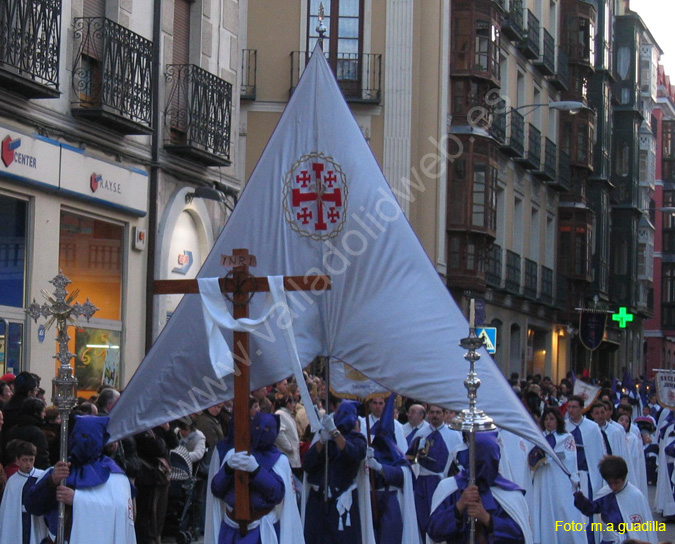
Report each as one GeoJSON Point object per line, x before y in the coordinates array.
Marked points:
{"type": "Point", "coordinates": [324, 436]}
{"type": "Point", "coordinates": [370, 453]}
{"type": "Point", "coordinates": [374, 465]}
{"type": "Point", "coordinates": [249, 464]}
{"type": "Point", "coordinates": [241, 460]}
{"type": "Point", "coordinates": [328, 423]}
{"type": "Point", "coordinates": [576, 482]}
{"type": "Point", "coordinates": [234, 462]}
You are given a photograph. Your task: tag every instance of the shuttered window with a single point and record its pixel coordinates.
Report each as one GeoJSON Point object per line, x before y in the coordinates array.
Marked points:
{"type": "Point", "coordinates": [181, 31]}
{"type": "Point", "coordinates": [93, 8]}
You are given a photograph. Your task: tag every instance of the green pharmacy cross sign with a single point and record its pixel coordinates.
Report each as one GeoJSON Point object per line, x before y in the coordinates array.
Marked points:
{"type": "Point", "coordinates": [623, 317]}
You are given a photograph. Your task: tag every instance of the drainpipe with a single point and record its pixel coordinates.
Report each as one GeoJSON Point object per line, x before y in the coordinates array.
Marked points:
{"type": "Point", "coordinates": [153, 207]}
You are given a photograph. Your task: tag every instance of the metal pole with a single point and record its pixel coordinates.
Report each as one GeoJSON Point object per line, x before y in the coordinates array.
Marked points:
{"type": "Point", "coordinates": [325, 468]}
{"type": "Point", "coordinates": [472, 478]}
{"type": "Point", "coordinates": [64, 385]}
{"type": "Point", "coordinates": [472, 420]}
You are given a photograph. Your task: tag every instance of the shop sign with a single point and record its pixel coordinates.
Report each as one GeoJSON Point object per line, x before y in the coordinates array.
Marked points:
{"type": "Point", "coordinates": [29, 159]}
{"type": "Point", "coordinates": [104, 182]}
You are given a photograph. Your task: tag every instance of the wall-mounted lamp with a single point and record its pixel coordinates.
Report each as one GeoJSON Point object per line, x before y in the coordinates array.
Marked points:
{"type": "Point", "coordinates": [219, 194]}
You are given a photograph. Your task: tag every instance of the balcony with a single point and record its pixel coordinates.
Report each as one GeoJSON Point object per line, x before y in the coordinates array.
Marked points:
{"type": "Point", "coordinates": [530, 287]}
{"type": "Point", "coordinates": [358, 75]}
{"type": "Point", "coordinates": [514, 144]}
{"type": "Point", "coordinates": [198, 115]}
{"type": "Point", "coordinates": [498, 126]}
{"type": "Point", "coordinates": [493, 271]}
{"type": "Point", "coordinates": [249, 73]}
{"type": "Point", "coordinates": [561, 78]}
{"type": "Point", "coordinates": [546, 62]}
{"type": "Point", "coordinates": [30, 41]}
{"type": "Point", "coordinates": [532, 159]}
{"type": "Point", "coordinates": [546, 292]}
{"type": "Point", "coordinates": [112, 76]}
{"type": "Point", "coordinates": [561, 182]}
{"type": "Point", "coordinates": [512, 283]}
{"type": "Point", "coordinates": [548, 172]}
{"type": "Point", "coordinates": [512, 26]}
{"type": "Point", "coordinates": [529, 45]}
{"type": "Point", "coordinates": [561, 293]}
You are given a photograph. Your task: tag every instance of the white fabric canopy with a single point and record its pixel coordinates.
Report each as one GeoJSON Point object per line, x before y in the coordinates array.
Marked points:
{"type": "Point", "coordinates": [318, 203]}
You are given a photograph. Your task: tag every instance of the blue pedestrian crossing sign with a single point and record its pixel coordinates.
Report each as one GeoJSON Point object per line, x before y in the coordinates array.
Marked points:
{"type": "Point", "coordinates": [489, 336]}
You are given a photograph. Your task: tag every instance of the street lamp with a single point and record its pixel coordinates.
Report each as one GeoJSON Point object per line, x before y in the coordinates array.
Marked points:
{"type": "Point", "coordinates": [570, 106]}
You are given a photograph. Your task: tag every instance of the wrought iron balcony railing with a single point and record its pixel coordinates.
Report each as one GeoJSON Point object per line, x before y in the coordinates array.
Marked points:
{"type": "Point", "coordinates": [30, 41]}
{"type": "Point", "coordinates": [561, 77]}
{"type": "Point", "coordinates": [514, 145]}
{"type": "Point", "coordinates": [546, 62]}
{"type": "Point", "coordinates": [112, 76]}
{"type": "Point", "coordinates": [358, 75]}
{"type": "Point", "coordinates": [513, 26]}
{"type": "Point", "coordinates": [548, 172]}
{"type": "Point", "coordinates": [512, 283]}
{"type": "Point", "coordinates": [546, 291]}
{"type": "Point", "coordinates": [493, 270]}
{"type": "Point", "coordinates": [249, 74]}
{"type": "Point", "coordinates": [498, 125]}
{"type": "Point", "coordinates": [530, 43]}
{"type": "Point", "coordinates": [198, 114]}
{"type": "Point", "coordinates": [530, 287]}
{"type": "Point", "coordinates": [532, 158]}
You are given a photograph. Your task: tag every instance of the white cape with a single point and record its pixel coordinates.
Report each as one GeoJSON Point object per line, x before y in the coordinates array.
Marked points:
{"type": "Point", "coordinates": [512, 502]}
{"type": "Point", "coordinates": [664, 502]}
{"type": "Point", "coordinates": [553, 496]}
{"type": "Point", "coordinates": [634, 508]}
{"type": "Point", "coordinates": [11, 508]}
{"type": "Point", "coordinates": [92, 513]}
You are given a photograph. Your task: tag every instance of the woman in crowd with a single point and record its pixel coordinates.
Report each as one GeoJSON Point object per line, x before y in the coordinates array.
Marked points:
{"type": "Point", "coordinates": [553, 497]}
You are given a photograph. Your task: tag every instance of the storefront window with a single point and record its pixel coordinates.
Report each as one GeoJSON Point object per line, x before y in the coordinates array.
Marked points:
{"type": "Point", "coordinates": [12, 251]}
{"type": "Point", "coordinates": [97, 357]}
{"type": "Point", "coordinates": [90, 255]}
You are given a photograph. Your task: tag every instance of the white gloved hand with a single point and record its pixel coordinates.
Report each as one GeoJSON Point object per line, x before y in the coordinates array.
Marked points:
{"type": "Point", "coordinates": [576, 482]}
{"type": "Point", "coordinates": [374, 464]}
{"type": "Point", "coordinates": [248, 463]}
{"type": "Point", "coordinates": [235, 461]}
{"type": "Point", "coordinates": [324, 436]}
{"type": "Point", "coordinates": [370, 453]}
{"type": "Point", "coordinates": [328, 423]}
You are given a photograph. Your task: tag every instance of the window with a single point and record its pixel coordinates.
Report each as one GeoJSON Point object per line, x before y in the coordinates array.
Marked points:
{"type": "Point", "coordinates": [12, 251]}
{"type": "Point", "coordinates": [13, 227]}
{"type": "Point", "coordinates": [668, 295]}
{"type": "Point", "coordinates": [91, 255]}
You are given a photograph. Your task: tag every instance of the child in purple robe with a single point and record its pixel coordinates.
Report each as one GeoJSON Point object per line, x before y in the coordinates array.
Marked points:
{"type": "Point", "coordinates": [622, 506]}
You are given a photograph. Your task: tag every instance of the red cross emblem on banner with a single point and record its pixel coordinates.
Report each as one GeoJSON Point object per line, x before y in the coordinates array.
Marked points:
{"type": "Point", "coordinates": [315, 196]}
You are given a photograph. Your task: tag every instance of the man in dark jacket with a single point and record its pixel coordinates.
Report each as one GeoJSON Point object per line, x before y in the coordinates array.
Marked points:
{"type": "Point", "coordinates": [29, 428]}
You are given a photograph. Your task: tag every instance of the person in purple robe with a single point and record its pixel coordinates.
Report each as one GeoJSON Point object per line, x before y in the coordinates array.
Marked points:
{"type": "Point", "coordinates": [269, 473]}
{"type": "Point", "coordinates": [497, 504]}
{"type": "Point", "coordinates": [434, 449]}
{"type": "Point", "coordinates": [98, 494]}
{"type": "Point", "coordinates": [393, 478]}
{"type": "Point", "coordinates": [333, 517]}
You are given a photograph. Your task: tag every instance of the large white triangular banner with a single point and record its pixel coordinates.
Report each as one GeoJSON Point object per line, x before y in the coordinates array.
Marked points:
{"type": "Point", "coordinates": [318, 203]}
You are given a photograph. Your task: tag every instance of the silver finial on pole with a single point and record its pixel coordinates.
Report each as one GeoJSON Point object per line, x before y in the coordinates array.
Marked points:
{"type": "Point", "coordinates": [320, 28]}
{"type": "Point", "coordinates": [64, 385]}
{"type": "Point", "coordinates": [472, 420]}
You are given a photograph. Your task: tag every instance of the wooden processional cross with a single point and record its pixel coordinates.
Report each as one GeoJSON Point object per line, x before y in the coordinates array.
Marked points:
{"type": "Point", "coordinates": [242, 286]}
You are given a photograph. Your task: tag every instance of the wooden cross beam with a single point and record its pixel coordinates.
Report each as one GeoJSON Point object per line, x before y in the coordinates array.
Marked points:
{"type": "Point", "coordinates": [242, 286]}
